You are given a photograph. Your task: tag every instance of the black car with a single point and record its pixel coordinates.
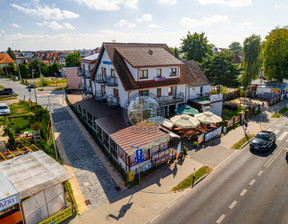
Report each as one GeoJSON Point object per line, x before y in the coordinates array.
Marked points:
{"type": "Point", "coordinates": [6, 91]}
{"type": "Point", "coordinates": [263, 141]}
{"type": "Point", "coordinates": [31, 85]}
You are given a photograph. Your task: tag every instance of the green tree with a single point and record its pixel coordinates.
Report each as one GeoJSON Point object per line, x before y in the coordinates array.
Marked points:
{"type": "Point", "coordinates": [251, 59]}
{"type": "Point", "coordinates": [23, 70]}
{"type": "Point", "coordinates": [220, 70]}
{"type": "Point", "coordinates": [236, 48]}
{"type": "Point", "coordinates": [176, 52]}
{"type": "Point", "coordinates": [11, 68]}
{"type": "Point", "coordinates": [11, 54]}
{"type": "Point", "coordinates": [35, 66]}
{"type": "Point", "coordinates": [72, 59]}
{"type": "Point", "coordinates": [54, 68]}
{"type": "Point", "coordinates": [275, 54]}
{"type": "Point", "coordinates": [195, 47]}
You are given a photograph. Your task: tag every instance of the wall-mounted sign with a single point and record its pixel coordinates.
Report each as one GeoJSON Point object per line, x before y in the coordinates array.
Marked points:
{"type": "Point", "coordinates": [160, 79]}
{"type": "Point", "coordinates": [107, 62]}
{"type": "Point", "coordinates": [8, 202]}
{"type": "Point", "coordinates": [146, 167]}
{"type": "Point", "coordinates": [216, 97]}
{"type": "Point", "coordinates": [60, 216]}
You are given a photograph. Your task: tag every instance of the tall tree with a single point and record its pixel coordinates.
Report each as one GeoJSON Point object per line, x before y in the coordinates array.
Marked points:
{"type": "Point", "coordinates": [23, 70]}
{"type": "Point", "coordinates": [11, 54]}
{"type": "Point", "coordinates": [72, 59]}
{"type": "Point", "coordinates": [220, 70]}
{"type": "Point", "coordinates": [176, 53]}
{"type": "Point", "coordinates": [251, 59]}
{"type": "Point", "coordinates": [236, 48]}
{"type": "Point", "coordinates": [35, 66]}
{"type": "Point", "coordinates": [275, 54]}
{"type": "Point", "coordinates": [195, 47]}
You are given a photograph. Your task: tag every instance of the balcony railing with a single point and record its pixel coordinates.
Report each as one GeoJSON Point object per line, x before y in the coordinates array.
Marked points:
{"type": "Point", "coordinates": [88, 91]}
{"type": "Point", "coordinates": [112, 81]}
{"type": "Point", "coordinates": [177, 98]}
{"type": "Point", "coordinates": [100, 96]}
{"type": "Point", "coordinates": [100, 78]}
{"type": "Point", "coordinates": [113, 101]}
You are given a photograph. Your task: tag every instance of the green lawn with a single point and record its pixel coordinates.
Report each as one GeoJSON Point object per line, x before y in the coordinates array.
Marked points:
{"type": "Point", "coordinates": [20, 108]}
{"type": "Point", "coordinates": [20, 122]}
{"type": "Point", "coordinates": [280, 113]}
{"type": "Point", "coordinates": [2, 87]}
{"type": "Point", "coordinates": [241, 142]}
{"type": "Point", "coordinates": [228, 114]}
{"type": "Point", "coordinates": [187, 182]}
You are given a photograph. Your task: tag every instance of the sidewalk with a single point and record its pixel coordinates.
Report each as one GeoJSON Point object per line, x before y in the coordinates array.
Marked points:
{"type": "Point", "coordinates": [149, 198]}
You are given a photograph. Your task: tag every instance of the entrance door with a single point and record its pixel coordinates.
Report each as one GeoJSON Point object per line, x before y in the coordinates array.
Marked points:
{"type": "Point", "coordinates": [172, 110]}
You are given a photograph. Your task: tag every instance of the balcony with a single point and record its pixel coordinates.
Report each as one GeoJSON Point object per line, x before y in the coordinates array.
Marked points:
{"type": "Point", "coordinates": [100, 78]}
{"type": "Point", "coordinates": [177, 98]}
{"type": "Point", "coordinates": [113, 101]}
{"type": "Point", "coordinates": [100, 96]}
{"type": "Point", "coordinates": [88, 91]}
{"type": "Point", "coordinates": [112, 81]}
{"type": "Point", "coordinates": [81, 73]}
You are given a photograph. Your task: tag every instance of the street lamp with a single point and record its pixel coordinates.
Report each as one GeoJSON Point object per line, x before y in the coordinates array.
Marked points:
{"type": "Point", "coordinates": [40, 76]}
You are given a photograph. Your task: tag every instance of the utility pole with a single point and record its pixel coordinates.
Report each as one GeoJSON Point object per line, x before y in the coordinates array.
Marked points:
{"type": "Point", "coordinates": [19, 72]}
{"type": "Point", "coordinates": [33, 70]}
{"type": "Point", "coordinates": [40, 76]}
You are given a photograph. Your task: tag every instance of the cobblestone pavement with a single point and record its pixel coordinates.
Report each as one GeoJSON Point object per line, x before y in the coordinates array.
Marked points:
{"type": "Point", "coordinates": [96, 184]}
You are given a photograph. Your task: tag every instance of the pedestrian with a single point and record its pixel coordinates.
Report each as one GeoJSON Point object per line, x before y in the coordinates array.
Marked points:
{"type": "Point", "coordinates": [245, 125]}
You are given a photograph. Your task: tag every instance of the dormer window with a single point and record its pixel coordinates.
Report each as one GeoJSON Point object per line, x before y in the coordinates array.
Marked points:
{"type": "Point", "coordinates": [159, 73]}
{"type": "Point", "coordinates": [173, 71]}
{"type": "Point", "coordinates": [143, 74]}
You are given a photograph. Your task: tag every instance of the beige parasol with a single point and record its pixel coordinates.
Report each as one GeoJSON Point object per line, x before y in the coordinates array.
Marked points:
{"type": "Point", "coordinates": [185, 121]}
{"type": "Point", "coordinates": [208, 117]}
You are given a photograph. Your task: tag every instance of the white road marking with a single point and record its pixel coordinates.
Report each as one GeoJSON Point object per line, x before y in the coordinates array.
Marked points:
{"type": "Point", "coordinates": [277, 131]}
{"type": "Point", "coordinates": [269, 129]}
{"type": "Point", "coordinates": [226, 159]}
{"type": "Point", "coordinates": [171, 204]}
{"type": "Point", "coordinates": [243, 192]}
{"type": "Point", "coordinates": [220, 218]}
{"type": "Point", "coordinates": [233, 204]}
{"type": "Point", "coordinates": [275, 155]}
{"type": "Point", "coordinates": [260, 173]}
{"type": "Point", "coordinates": [282, 136]}
{"type": "Point", "coordinates": [152, 220]}
{"type": "Point", "coordinates": [252, 182]}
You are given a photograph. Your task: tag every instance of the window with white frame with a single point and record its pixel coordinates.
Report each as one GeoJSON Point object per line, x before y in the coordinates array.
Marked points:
{"type": "Point", "coordinates": [159, 72]}
{"type": "Point", "coordinates": [173, 71]}
{"type": "Point", "coordinates": [158, 92]}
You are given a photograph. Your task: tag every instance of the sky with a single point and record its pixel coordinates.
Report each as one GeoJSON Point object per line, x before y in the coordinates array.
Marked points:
{"type": "Point", "coordinates": [86, 24]}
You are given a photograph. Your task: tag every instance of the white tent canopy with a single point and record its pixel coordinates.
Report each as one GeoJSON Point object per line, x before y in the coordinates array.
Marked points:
{"type": "Point", "coordinates": [185, 121]}
{"type": "Point", "coordinates": [208, 117]}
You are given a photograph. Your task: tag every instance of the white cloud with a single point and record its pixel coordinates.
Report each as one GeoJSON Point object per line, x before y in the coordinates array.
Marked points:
{"type": "Point", "coordinates": [154, 26]}
{"type": "Point", "coordinates": [206, 21]}
{"type": "Point", "coordinates": [245, 24]}
{"type": "Point", "coordinates": [145, 17]}
{"type": "Point", "coordinates": [109, 5]}
{"type": "Point", "coordinates": [124, 23]}
{"type": "Point", "coordinates": [47, 12]}
{"type": "Point", "coordinates": [0, 20]}
{"type": "Point", "coordinates": [232, 3]}
{"type": "Point", "coordinates": [281, 6]}
{"type": "Point", "coordinates": [15, 25]}
{"type": "Point", "coordinates": [57, 26]}
{"type": "Point", "coordinates": [169, 2]}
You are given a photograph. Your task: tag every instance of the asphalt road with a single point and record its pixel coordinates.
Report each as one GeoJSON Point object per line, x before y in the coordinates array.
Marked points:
{"type": "Point", "coordinates": [42, 96]}
{"type": "Point", "coordinates": [249, 187]}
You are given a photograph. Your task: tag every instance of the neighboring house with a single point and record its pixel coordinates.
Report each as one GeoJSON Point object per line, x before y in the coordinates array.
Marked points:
{"type": "Point", "coordinates": [62, 59]}
{"type": "Point", "coordinates": [72, 77]}
{"type": "Point", "coordinates": [27, 54]}
{"type": "Point", "coordinates": [5, 59]}
{"type": "Point", "coordinates": [124, 69]}
{"type": "Point", "coordinates": [87, 67]}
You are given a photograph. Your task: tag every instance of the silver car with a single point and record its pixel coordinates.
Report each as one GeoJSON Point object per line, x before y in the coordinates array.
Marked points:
{"type": "Point", "coordinates": [4, 109]}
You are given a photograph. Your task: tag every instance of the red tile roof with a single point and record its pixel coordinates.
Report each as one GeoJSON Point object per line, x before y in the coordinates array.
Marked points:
{"type": "Point", "coordinates": [5, 58]}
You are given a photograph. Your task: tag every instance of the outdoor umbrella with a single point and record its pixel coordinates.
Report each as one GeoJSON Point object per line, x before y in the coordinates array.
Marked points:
{"type": "Point", "coordinates": [208, 117]}
{"type": "Point", "coordinates": [185, 121]}
{"type": "Point", "coordinates": [186, 110]}
{"type": "Point", "coordinates": [168, 124]}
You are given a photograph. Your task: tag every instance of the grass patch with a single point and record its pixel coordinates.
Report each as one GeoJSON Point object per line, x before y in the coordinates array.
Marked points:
{"type": "Point", "coordinates": [21, 108]}
{"type": "Point", "coordinates": [2, 87]}
{"type": "Point", "coordinates": [20, 122]}
{"type": "Point", "coordinates": [58, 88]}
{"type": "Point", "coordinates": [226, 113]}
{"type": "Point", "coordinates": [280, 112]}
{"type": "Point", "coordinates": [241, 142]}
{"type": "Point", "coordinates": [187, 182]}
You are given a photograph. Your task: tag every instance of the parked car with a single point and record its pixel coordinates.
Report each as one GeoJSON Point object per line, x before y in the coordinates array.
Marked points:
{"type": "Point", "coordinates": [6, 91]}
{"type": "Point", "coordinates": [263, 141]}
{"type": "Point", "coordinates": [4, 109]}
{"type": "Point", "coordinates": [31, 85]}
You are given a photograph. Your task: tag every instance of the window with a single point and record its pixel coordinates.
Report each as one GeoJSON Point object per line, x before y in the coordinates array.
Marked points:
{"type": "Point", "coordinates": [173, 91]}
{"type": "Point", "coordinates": [158, 92]}
{"type": "Point", "coordinates": [143, 92]}
{"type": "Point", "coordinates": [116, 94]}
{"type": "Point", "coordinates": [103, 73]}
{"type": "Point", "coordinates": [112, 72]}
{"type": "Point", "coordinates": [173, 72]}
{"type": "Point", "coordinates": [143, 74]}
{"type": "Point", "coordinates": [159, 73]}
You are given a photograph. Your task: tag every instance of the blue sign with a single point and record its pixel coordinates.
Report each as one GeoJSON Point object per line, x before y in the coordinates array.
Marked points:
{"type": "Point", "coordinates": [107, 62]}
{"type": "Point", "coordinates": [139, 156]}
